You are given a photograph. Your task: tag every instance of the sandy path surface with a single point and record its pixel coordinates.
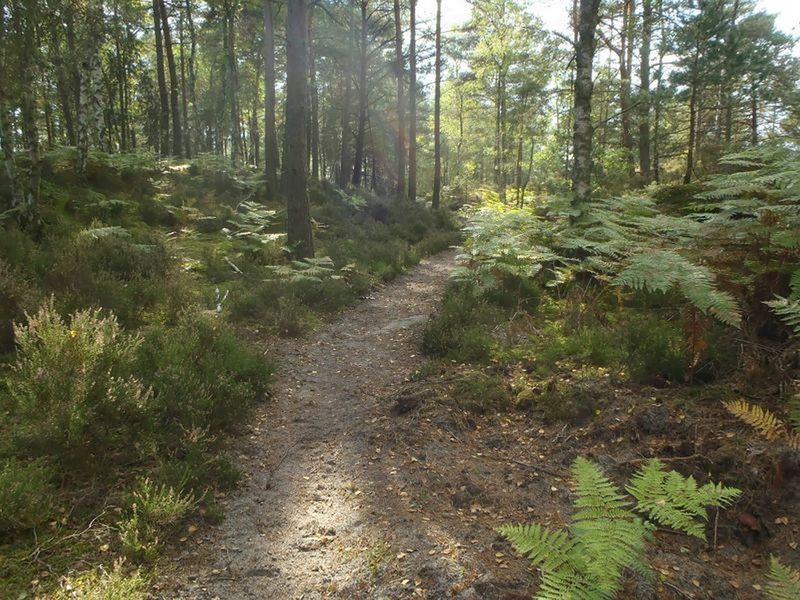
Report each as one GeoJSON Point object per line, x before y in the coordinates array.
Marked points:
{"type": "Point", "coordinates": [318, 514]}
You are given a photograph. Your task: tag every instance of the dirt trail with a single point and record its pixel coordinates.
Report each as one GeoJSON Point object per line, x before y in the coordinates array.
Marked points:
{"type": "Point", "coordinates": [361, 483]}
{"type": "Point", "coordinates": [322, 512]}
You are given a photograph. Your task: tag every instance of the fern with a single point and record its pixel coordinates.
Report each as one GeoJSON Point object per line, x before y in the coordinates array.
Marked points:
{"type": "Point", "coordinates": [784, 582]}
{"type": "Point", "coordinates": [605, 527]}
{"type": "Point", "coordinates": [662, 270]}
{"type": "Point", "coordinates": [788, 311]}
{"type": "Point", "coordinates": [607, 537]}
{"type": "Point", "coordinates": [794, 412]}
{"type": "Point", "coordinates": [675, 501]}
{"type": "Point", "coordinates": [310, 269]}
{"type": "Point", "coordinates": [760, 419]}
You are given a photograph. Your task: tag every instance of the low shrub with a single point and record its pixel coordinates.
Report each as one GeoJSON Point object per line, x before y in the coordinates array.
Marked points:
{"type": "Point", "coordinates": [71, 392]}
{"type": "Point", "coordinates": [26, 494]}
{"type": "Point", "coordinates": [17, 296]}
{"type": "Point", "coordinates": [461, 329]}
{"type": "Point", "coordinates": [481, 393]}
{"type": "Point", "coordinates": [200, 373]}
{"type": "Point", "coordinates": [152, 513]}
{"type": "Point", "coordinates": [103, 584]}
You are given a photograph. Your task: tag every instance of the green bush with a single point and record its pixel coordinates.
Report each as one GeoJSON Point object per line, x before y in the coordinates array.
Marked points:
{"type": "Point", "coordinates": [515, 292]}
{"type": "Point", "coordinates": [481, 393]}
{"type": "Point", "coordinates": [17, 296]}
{"type": "Point", "coordinates": [122, 256]}
{"type": "Point", "coordinates": [461, 330]}
{"type": "Point", "coordinates": [72, 396]}
{"type": "Point", "coordinates": [103, 584]}
{"type": "Point", "coordinates": [201, 374]}
{"type": "Point", "coordinates": [650, 349]}
{"type": "Point", "coordinates": [657, 351]}
{"type": "Point", "coordinates": [26, 494]}
{"type": "Point", "coordinates": [153, 512]}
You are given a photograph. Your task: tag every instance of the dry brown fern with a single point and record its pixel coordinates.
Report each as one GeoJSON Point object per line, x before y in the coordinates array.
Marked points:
{"type": "Point", "coordinates": [763, 421]}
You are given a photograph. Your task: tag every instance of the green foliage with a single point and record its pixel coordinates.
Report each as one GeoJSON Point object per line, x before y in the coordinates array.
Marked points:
{"type": "Point", "coordinates": [71, 376]}
{"type": "Point", "coordinates": [788, 310]}
{"type": "Point", "coordinates": [661, 270]}
{"type": "Point", "coordinates": [17, 295]}
{"type": "Point", "coordinates": [784, 582]}
{"type": "Point", "coordinates": [103, 584]}
{"type": "Point", "coordinates": [26, 494]}
{"type": "Point", "coordinates": [606, 536]}
{"type": "Point", "coordinates": [152, 512]}
{"type": "Point", "coordinates": [461, 330]}
{"type": "Point", "coordinates": [670, 499]}
{"type": "Point", "coordinates": [605, 539]}
{"type": "Point", "coordinates": [481, 392]}
{"type": "Point", "coordinates": [201, 375]}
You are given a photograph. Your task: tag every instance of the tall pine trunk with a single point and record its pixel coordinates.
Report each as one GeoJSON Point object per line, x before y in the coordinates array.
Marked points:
{"type": "Point", "coordinates": [270, 129]}
{"type": "Point", "coordinates": [313, 93]}
{"type": "Point", "coordinates": [177, 138]}
{"type": "Point", "coordinates": [363, 97]}
{"type": "Point", "coordinates": [345, 164]}
{"type": "Point", "coordinates": [437, 113]}
{"type": "Point", "coordinates": [693, 98]}
{"type": "Point", "coordinates": [644, 83]}
{"type": "Point", "coordinates": [412, 104]}
{"type": "Point", "coordinates": [401, 102]}
{"type": "Point", "coordinates": [582, 129]}
{"type": "Point", "coordinates": [163, 102]}
{"type": "Point", "coordinates": [300, 237]}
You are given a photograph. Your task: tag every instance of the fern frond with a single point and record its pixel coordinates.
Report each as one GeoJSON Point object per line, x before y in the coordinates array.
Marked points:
{"type": "Point", "coordinates": [788, 311]}
{"type": "Point", "coordinates": [661, 270]}
{"type": "Point", "coordinates": [675, 501]}
{"type": "Point", "coordinates": [597, 495]}
{"type": "Point", "coordinates": [610, 535]}
{"type": "Point", "coordinates": [794, 412]}
{"type": "Point", "coordinates": [544, 547]}
{"type": "Point", "coordinates": [794, 284]}
{"type": "Point", "coordinates": [102, 232]}
{"type": "Point", "coordinates": [784, 582]}
{"type": "Point", "coordinates": [765, 422]}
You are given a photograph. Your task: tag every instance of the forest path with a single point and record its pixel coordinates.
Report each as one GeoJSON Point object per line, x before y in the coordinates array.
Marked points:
{"type": "Point", "coordinates": [322, 511]}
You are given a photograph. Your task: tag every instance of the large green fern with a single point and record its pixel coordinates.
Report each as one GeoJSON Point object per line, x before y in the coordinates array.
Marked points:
{"type": "Point", "coordinates": [784, 583]}
{"type": "Point", "coordinates": [670, 499]}
{"type": "Point", "coordinates": [788, 310]}
{"type": "Point", "coordinates": [607, 536]}
{"type": "Point", "coordinates": [663, 270]}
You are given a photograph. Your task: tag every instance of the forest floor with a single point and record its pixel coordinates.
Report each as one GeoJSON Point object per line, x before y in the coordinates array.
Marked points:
{"type": "Point", "coordinates": [362, 479]}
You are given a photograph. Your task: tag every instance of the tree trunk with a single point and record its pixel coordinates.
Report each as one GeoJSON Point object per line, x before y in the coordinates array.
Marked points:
{"type": "Point", "coordinates": [162, 81]}
{"type": "Point", "coordinates": [345, 163]}
{"type": "Point", "coordinates": [401, 102]}
{"type": "Point", "coordinates": [90, 105]}
{"type": "Point", "coordinates": [187, 138]}
{"type": "Point", "coordinates": [6, 124]}
{"type": "Point", "coordinates": [237, 144]}
{"type": "Point", "coordinates": [753, 116]}
{"type": "Point", "coordinates": [314, 99]}
{"type": "Point", "coordinates": [582, 131]}
{"type": "Point", "coordinates": [192, 71]}
{"type": "Point", "coordinates": [363, 97]}
{"type": "Point", "coordinates": [412, 104]}
{"type": "Point", "coordinates": [300, 237]}
{"type": "Point", "coordinates": [177, 139]}
{"type": "Point", "coordinates": [62, 83]}
{"type": "Point", "coordinates": [270, 129]}
{"type": "Point", "coordinates": [625, 60]}
{"type": "Point", "coordinates": [687, 176]}
{"type": "Point", "coordinates": [437, 113]}
{"type": "Point", "coordinates": [644, 83]}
